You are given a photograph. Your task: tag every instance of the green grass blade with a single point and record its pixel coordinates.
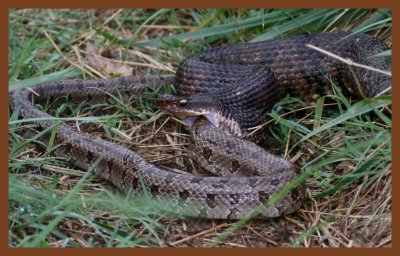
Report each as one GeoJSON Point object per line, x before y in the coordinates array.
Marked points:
{"type": "Point", "coordinates": [269, 18]}
{"type": "Point", "coordinates": [85, 119]}
{"type": "Point", "coordinates": [384, 54]}
{"type": "Point", "coordinates": [297, 23]}
{"type": "Point", "coordinates": [357, 109]}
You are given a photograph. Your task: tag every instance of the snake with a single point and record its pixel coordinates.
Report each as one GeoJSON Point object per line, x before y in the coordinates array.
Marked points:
{"type": "Point", "coordinates": [221, 93]}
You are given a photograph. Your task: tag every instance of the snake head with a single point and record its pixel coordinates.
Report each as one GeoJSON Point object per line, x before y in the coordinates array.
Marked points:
{"type": "Point", "coordinates": [191, 107]}
{"type": "Point", "coordinates": [177, 106]}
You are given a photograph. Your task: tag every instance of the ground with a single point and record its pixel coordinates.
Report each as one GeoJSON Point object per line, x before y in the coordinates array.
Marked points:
{"type": "Point", "coordinates": [344, 145]}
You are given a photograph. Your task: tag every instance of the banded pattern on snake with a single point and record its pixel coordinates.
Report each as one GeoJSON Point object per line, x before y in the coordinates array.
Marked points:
{"type": "Point", "coordinates": [233, 87]}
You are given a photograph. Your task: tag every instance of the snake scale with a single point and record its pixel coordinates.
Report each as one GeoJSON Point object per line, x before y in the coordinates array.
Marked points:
{"type": "Point", "coordinates": [233, 87]}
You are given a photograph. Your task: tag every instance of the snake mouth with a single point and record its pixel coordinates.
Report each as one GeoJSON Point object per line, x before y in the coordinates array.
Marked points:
{"type": "Point", "coordinates": [210, 117]}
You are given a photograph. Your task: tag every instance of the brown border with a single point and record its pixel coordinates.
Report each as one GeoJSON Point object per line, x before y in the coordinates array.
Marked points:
{"type": "Point", "coordinates": [200, 4]}
{"type": "Point", "coordinates": [4, 128]}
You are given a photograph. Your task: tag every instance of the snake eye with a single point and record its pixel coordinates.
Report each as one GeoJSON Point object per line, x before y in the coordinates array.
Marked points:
{"type": "Point", "coordinates": [183, 103]}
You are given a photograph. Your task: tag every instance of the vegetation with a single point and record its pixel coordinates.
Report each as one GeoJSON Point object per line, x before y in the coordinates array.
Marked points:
{"type": "Point", "coordinates": [343, 146]}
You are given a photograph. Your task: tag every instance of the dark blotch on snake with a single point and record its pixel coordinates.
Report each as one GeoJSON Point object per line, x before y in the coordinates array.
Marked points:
{"type": "Point", "coordinates": [135, 183]}
{"type": "Point", "coordinates": [235, 166]}
{"type": "Point", "coordinates": [169, 178]}
{"type": "Point", "coordinates": [252, 182]}
{"type": "Point", "coordinates": [212, 142]}
{"type": "Point", "coordinates": [263, 196]}
{"type": "Point", "coordinates": [233, 212]}
{"type": "Point", "coordinates": [211, 201]}
{"type": "Point", "coordinates": [68, 148]}
{"type": "Point", "coordinates": [110, 165]}
{"type": "Point", "coordinates": [89, 156]}
{"type": "Point", "coordinates": [154, 189]}
{"type": "Point", "coordinates": [274, 182]}
{"type": "Point", "coordinates": [196, 179]}
{"type": "Point", "coordinates": [207, 153]}
{"type": "Point", "coordinates": [224, 180]}
{"type": "Point", "coordinates": [184, 194]}
{"type": "Point", "coordinates": [218, 186]}
{"type": "Point", "coordinates": [234, 199]}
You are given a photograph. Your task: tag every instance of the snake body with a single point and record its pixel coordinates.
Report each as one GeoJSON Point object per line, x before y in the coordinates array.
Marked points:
{"type": "Point", "coordinates": [238, 84]}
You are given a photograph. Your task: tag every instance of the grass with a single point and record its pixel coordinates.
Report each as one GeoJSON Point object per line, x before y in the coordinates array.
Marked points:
{"type": "Point", "coordinates": [343, 147]}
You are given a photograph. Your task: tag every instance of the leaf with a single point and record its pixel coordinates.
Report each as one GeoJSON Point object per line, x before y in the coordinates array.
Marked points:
{"type": "Point", "coordinates": [109, 66]}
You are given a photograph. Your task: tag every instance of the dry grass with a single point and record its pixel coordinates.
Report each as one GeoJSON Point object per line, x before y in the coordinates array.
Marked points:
{"type": "Point", "coordinates": [355, 215]}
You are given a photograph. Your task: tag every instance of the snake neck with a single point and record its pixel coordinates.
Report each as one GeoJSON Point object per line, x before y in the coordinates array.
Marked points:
{"type": "Point", "coordinates": [224, 119]}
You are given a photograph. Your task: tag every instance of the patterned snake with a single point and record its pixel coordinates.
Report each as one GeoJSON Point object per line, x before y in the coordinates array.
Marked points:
{"type": "Point", "coordinates": [232, 87]}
